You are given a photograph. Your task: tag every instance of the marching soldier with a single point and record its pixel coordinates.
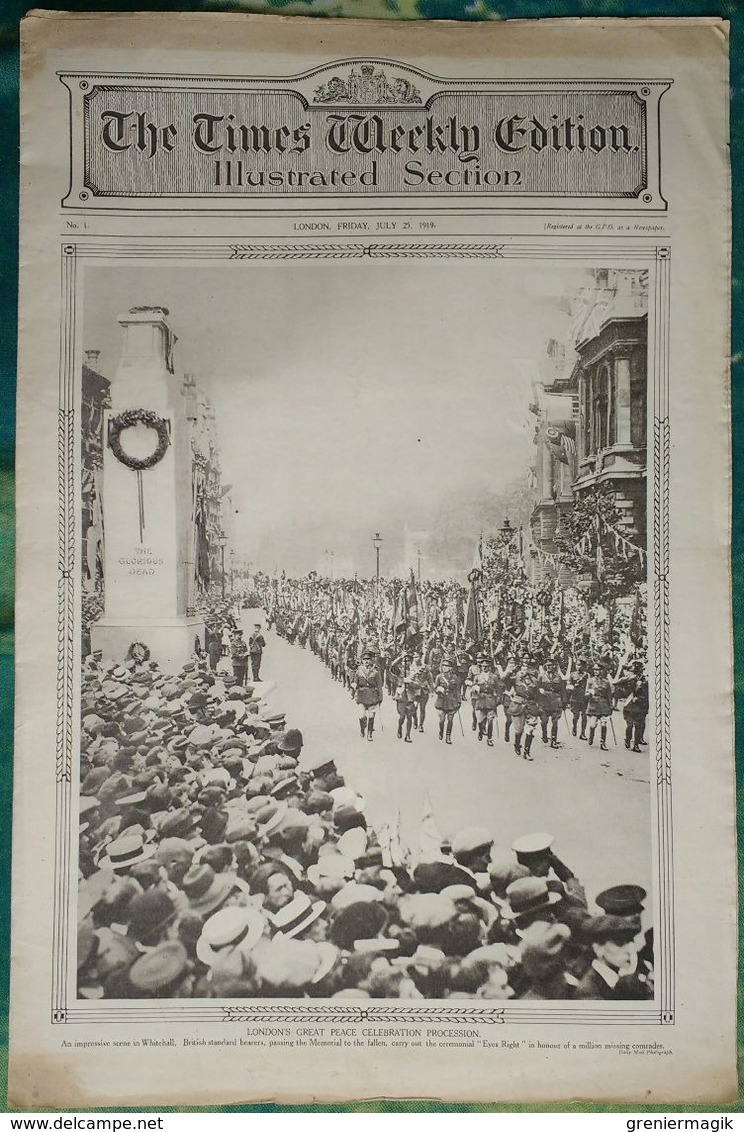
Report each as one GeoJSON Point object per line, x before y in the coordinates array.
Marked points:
{"type": "Point", "coordinates": [577, 699]}
{"type": "Point", "coordinates": [486, 698]}
{"type": "Point", "coordinates": [424, 681]}
{"type": "Point", "coordinates": [471, 682]}
{"type": "Point", "coordinates": [405, 701]}
{"type": "Point", "coordinates": [599, 694]}
{"type": "Point", "coordinates": [351, 665]}
{"type": "Point", "coordinates": [435, 656]}
{"type": "Point", "coordinates": [523, 711]}
{"type": "Point", "coordinates": [635, 710]}
{"type": "Point", "coordinates": [506, 674]}
{"type": "Point", "coordinates": [552, 696]}
{"type": "Point", "coordinates": [463, 662]}
{"type": "Point", "coordinates": [368, 692]}
{"type": "Point", "coordinates": [447, 697]}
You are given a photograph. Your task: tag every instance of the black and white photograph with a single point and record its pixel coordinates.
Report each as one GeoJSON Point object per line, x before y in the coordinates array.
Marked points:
{"type": "Point", "coordinates": [364, 651]}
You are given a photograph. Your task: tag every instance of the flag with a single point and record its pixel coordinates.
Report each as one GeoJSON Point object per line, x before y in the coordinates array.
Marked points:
{"type": "Point", "coordinates": [559, 441]}
{"type": "Point", "coordinates": [476, 570]}
{"type": "Point", "coordinates": [636, 622]}
{"type": "Point", "coordinates": [199, 512]}
{"type": "Point", "coordinates": [473, 622]}
{"type": "Point", "coordinates": [406, 621]}
{"type": "Point", "coordinates": [393, 621]}
{"type": "Point", "coordinates": [459, 615]}
{"type": "Point", "coordinates": [399, 617]}
{"type": "Point", "coordinates": [413, 620]}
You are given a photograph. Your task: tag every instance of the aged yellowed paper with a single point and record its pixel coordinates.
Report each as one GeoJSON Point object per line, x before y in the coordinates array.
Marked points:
{"type": "Point", "coordinates": [374, 689]}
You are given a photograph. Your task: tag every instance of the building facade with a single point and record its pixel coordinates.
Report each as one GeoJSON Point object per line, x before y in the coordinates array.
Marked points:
{"type": "Point", "coordinates": [590, 413]}
{"type": "Point", "coordinates": [609, 382]}
{"type": "Point", "coordinates": [95, 399]}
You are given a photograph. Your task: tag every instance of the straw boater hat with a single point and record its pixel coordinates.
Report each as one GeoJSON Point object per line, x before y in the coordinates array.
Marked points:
{"type": "Point", "coordinates": [527, 895]}
{"type": "Point", "coordinates": [295, 917]}
{"type": "Point", "coordinates": [228, 931]}
{"type": "Point", "coordinates": [126, 851]}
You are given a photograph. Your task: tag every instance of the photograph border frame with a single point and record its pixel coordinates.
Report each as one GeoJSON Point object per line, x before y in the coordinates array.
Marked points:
{"type": "Point", "coordinates": [657, 259]}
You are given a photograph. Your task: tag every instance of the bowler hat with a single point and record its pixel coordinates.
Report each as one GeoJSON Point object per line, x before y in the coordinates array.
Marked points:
{"type": "Point", "coordinates": [172, 851]}
{"type": "Point", "coordinates": [158, 970]}
{"type": "Point", "coordinates": [618, 929]}
{"type": "Point", "coordinates": [348, 817]}
{"type": "Point", "coordinates": [433, 876]}
{"type": "Point", "coordinates": [291, 740]}
{"type": "Point", "coordinates": [206, 889]}
{"type": "Point", "coordinates": [362, 920]}
{"type": "Point", "coordinates": [178, 823]}
{"type": "Point", "coordinates": [150, 912]}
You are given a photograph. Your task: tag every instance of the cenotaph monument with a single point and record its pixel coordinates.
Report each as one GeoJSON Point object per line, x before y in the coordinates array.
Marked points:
{"type": "Point", "coordinates": [147, 505]}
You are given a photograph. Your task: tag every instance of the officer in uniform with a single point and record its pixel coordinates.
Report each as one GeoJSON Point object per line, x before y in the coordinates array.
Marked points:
{"type": "Point", "coordinates": [447, 697]}
{"type": "Point", "coordinates": [635, 710]}
{"type": "Point", "coordinates": [368, 692]}
{"type": "Point", "coordinates": [424, 680]}
{"type": "Point", "coordinates": [351, 665]}
{"type": "Point", "coordinates": [577, 699]}
{"type": "Point", "coordinates": [472, 682]}
{"type": "Point", "coordinates": [523, 711]}
{"type": "Point", "coordinates": [463, 661]}
{"type": "Point", "coordinates": [435, 656]}
{"type": "Point", "coordinates": [239, 656]}
{"type": "Point", "coordinates": [486, 700]}
{"type": "Point", "coordinates": [405, 701]}
{"type": "Point", "coordinates": [506, 674]}
{"type": "Point", "coordinates": [552, 694]}
{"type": "Point", "coordinates": [599, 694]}
{"type": "Point", "coordinates": [256, 646]}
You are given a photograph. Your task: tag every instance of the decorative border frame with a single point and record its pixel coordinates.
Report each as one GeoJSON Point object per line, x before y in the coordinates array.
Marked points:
{"type": "Point", "coordinates": [68, 1010]}
{"type": "Point", "coordinates": [83, 86]}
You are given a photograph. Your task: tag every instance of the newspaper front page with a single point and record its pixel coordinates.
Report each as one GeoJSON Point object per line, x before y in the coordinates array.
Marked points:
{"type": "Point", "coordinates": [374, 690]}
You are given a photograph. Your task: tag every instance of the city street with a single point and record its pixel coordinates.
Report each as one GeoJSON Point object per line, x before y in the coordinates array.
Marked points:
{"type": "Point", "coordinates": [597, 804]}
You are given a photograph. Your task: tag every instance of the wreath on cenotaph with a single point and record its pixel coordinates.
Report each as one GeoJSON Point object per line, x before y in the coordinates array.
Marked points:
{"type": "Point", "coordinates": [128, 419]}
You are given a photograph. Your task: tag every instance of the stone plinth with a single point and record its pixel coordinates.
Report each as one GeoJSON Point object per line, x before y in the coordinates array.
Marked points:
{"type": "Point", "coordinates": [149, 537]}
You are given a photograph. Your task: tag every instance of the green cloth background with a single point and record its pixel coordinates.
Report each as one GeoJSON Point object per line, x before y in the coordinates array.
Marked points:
{"type": "Point", "coordinates": [11, 12]}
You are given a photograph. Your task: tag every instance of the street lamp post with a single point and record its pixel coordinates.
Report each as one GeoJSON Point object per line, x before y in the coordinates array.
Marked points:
{"type": "Point", "coordinates": [377, 543]}
{"type": "Point", "coordinates": [232, 571]}
{"type": "Point", "coordinates": [418, 564]}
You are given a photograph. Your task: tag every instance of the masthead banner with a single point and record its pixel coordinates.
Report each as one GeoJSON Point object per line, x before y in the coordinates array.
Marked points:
{"type": "Point", "coordinates": [363, 128]}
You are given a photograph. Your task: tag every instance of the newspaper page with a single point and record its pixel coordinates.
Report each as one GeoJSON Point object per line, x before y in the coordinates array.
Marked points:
{"type": "Point", "coordinates": [374, 717]}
